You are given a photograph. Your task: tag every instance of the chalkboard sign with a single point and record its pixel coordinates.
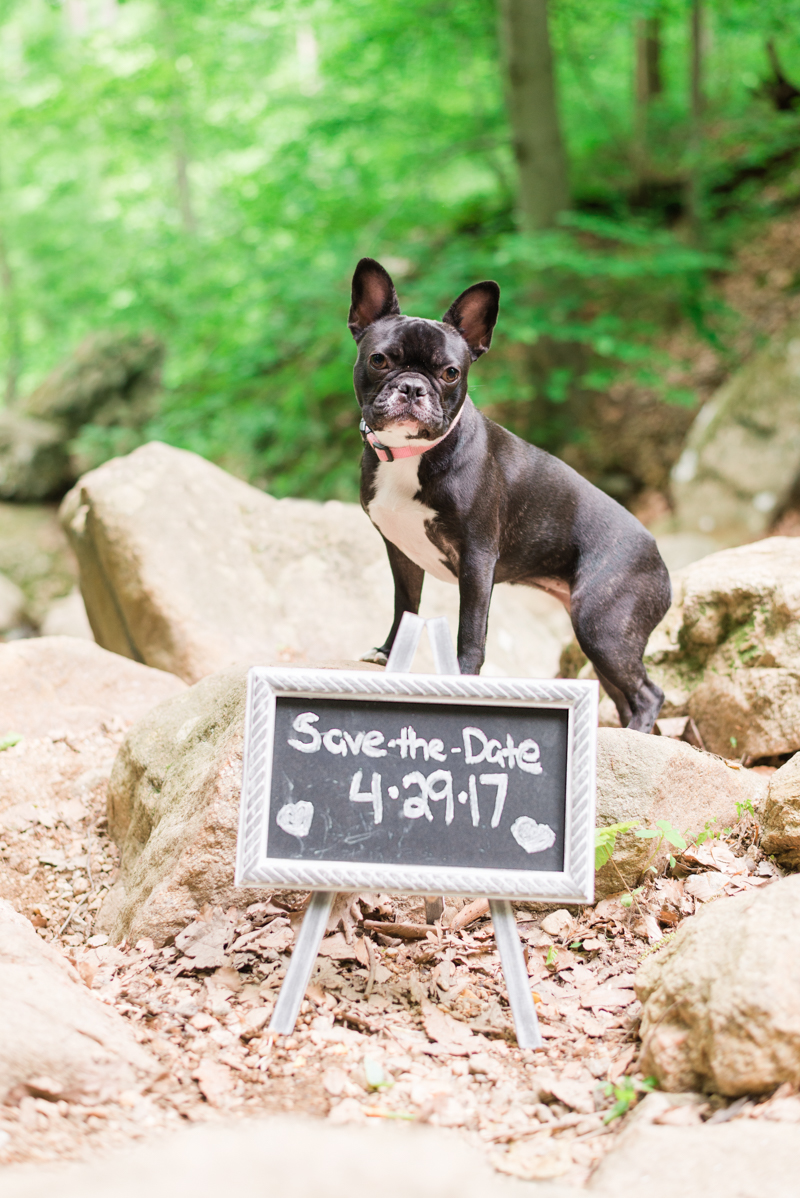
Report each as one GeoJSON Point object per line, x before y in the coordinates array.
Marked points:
{"type": "Point", "coordinates": [419, 784]}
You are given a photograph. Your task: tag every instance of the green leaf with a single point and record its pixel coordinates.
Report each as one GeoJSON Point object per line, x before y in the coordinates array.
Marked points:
{"type": "Point", "coordinates": [605, 840]}
{"type": "Point", "coordinates": [9, 740]}
{"type": "Point", "coordinates": [671, 834]}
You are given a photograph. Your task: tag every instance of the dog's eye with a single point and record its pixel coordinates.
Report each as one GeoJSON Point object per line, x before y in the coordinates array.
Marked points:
{"type": "Point", "coordinates": [378, 361]}
{"type": "Point", "coordinates": [451, 374]}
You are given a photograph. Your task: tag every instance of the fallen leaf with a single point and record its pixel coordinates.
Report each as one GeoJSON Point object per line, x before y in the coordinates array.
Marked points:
{"type": "Point", "coordinates": [338, 949]}
{"type": "Point", "coordinates": [704, 887]}
{"type": "Point", "coordinates": [575, 1095]}
{"type": "Point", "coordinates": [619, 1066]}
{"type": "Point", "coordinates": [446, 1030]}
{"type": "Point", "coordinates": [607, 998]}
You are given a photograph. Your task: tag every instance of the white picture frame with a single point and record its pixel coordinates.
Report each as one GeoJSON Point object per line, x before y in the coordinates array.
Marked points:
{"type": "Point", "coordinates": [573, 884]}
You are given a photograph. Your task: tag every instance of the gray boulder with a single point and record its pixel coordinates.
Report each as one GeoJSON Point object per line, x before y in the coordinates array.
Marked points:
{"type": "Point", "coordinates": [297, 1158]}
{"type": "Point", "coordinates": [780, 819]}
{"type": "Point", "coordinates": [73, 686]}
{"type": "Point", "coordinates": [34, 464]}
{"type": "Point", "coordinates": [191, 570]}
{"type": "Point", "coordinates": [742, 455]}
{"type": "Point", "coordinates": [110, 379]}
{"type": "Point", "coordinates": [727, 652]}
{"type": "Point", "coordinates": [744, 1159]}
{"type": "Point", "coordinates": [173, 806]}
{"type": "Point", "coordinates": [173, 809]}
{"type": "Point", "coordinates": [12, 605]}
{"type": "Point", "coordinates": [90, 407]}
{"type": "Point", "coordinates": [651, 778]}
{"type": "Point", "coordinates": [58, 1040]}
{"type": "Point", "coordinates": [720, 1010]}
{"type": "Point", "coordinates": [35, 556]}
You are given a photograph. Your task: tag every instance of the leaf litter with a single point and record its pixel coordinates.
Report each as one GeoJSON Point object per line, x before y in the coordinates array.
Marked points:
{"type": "Point", "coordinates": [401, 1020]}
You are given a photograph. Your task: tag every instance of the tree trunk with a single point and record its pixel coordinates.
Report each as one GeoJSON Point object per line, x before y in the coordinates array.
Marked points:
{"type": "Point", "coordinates": [533, 110]}
{"type": "Point", "coordinates": [694, 182]}
{"type": "Point", "coordinates": [177, 125]}
{"type": "Point", "coordinates": [648, 85]}
{"type": "Point", "coordinates": [13, 332]}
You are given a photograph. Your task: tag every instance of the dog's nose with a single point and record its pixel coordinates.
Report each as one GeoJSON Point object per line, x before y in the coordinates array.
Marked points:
{"type": "Point", "coordinates": [412, 388]}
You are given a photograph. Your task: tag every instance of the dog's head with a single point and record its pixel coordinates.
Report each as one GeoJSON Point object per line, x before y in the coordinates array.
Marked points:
{"type": "Point", "coordinates": [411, 374]}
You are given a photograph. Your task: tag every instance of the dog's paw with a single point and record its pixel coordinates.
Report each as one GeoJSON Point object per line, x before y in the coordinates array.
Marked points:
{"type": "Point", "coordinates": [377, 656]}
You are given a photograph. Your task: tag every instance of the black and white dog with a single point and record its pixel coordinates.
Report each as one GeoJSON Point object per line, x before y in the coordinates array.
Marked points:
{"type": "Point", "coordinates": [456, 495]}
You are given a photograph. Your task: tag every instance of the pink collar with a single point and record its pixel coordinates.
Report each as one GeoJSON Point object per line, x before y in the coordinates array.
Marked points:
{"type": "Point", "coordinates": [389, 453]}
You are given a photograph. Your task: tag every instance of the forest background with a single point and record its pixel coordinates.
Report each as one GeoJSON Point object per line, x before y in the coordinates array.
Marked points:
{"type": "Point", "coordinates": [211, 170]}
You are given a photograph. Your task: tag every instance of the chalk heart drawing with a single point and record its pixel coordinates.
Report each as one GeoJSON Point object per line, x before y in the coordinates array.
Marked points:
{"type": "Point", "coordinates": [530, 836]}
{"type": "Point", "coordinates": [295, 818]}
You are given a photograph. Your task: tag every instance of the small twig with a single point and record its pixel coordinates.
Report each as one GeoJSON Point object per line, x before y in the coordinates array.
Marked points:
{"type": "Point", "coordinates": [72, 915]}
{"type": "Point", "coordinates": [373, 965]}
{"type": "Point", "coordinates": [406, 931]}
{"type": "Point", "coordinates": [469, 914]}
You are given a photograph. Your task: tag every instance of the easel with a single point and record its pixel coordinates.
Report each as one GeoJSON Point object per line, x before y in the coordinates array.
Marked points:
{"type": "Point", "coordinates": [315, 920]}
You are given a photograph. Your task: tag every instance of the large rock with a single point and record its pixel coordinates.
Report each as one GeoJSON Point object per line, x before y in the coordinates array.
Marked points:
{"type": "Point", "coordinates": [720, 1007]}
{"type": "Point", "coordinates": [74, 686]}
{"type": "Point", "coordinates": [173, 809]}
{"type": "Point", "coordinates": [780, 818]}
{"type": "Point", "coordinates": [36, 556]}
{"type": "Point", "coordinates": [12, 605]}
{"type": "Point", "coordinates": [190, 570]}
{"type": "Point", "coordinates": [90, 407]}
{"type": "Point", "coordinates": [70, 702]}
{"type": "Point", "coordinates": [34, 464]}
{"type": "Point", "coordinates": [110, 380]}
{"type": "Point", "coordinates": [54, 1030]}
{"type": "Point", "coordinates": [742, 455]}
{"type": "Point", "coordinates": [293, 1157]}
{"type": "Point", "coordinates": [744, 1159]}
{"type": "Point", "coordinates": [728, 650]}
{"type": "Point", "coordinates": [650, 778]}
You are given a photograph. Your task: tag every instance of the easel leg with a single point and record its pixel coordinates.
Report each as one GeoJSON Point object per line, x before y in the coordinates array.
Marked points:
{"type": "Point", "coordinates": [526, 1025]}
{"type": "Point", "coordinates": [302, 961]}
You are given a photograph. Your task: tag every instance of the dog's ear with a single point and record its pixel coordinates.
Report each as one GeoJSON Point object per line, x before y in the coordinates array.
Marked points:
{"type": "Point", "coordinates": [373, 297]}
{"type": "Point", "coordinates": [474, 315]}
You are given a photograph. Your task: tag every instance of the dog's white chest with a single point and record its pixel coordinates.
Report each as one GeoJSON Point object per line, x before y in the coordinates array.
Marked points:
{"type": "Point", "coordinates": [402, 519]}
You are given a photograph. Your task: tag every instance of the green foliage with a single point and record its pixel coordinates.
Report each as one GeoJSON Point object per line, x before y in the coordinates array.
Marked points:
{"type": "Point", "coordinates": [605, 841]}
{"type": "Point", "coordinates": [9, 740]}
{"type": "Point", "coordinates": [626, 1094]}
{"type": "Point", "coordinates": [627, 900]}
{"type": "Point", "coordinates": [745, 806]}
{"type": "Point", "coordinates": [708, 832]}
{"type": "Point", "coordinates": [664, 831]}
{"type": "Point", "coordinates": [212, 170]}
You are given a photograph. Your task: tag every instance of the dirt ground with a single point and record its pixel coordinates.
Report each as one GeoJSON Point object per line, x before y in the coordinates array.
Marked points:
{"type": "Point", "coordinates": [391, 1028]}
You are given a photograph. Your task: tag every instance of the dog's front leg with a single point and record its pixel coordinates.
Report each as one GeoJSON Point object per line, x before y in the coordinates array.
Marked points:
{"type": "Point", "coordinates": [408, 578]}
{"type": "Point", "coordinates": [475, 584]}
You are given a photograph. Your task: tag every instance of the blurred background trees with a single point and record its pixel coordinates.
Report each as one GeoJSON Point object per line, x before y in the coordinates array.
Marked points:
{"type": "Point", "coordinates": [207, 173]}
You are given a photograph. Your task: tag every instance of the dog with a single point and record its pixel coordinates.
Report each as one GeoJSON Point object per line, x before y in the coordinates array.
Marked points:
{"type": "Point", "coordinates": [455, 495]}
